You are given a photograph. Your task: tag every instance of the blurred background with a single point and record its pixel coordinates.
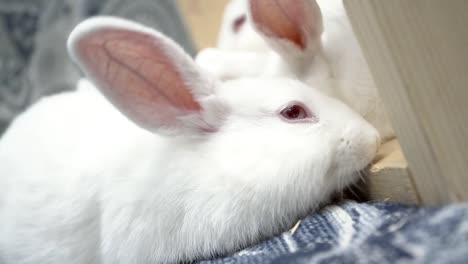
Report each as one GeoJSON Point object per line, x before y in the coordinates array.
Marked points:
{"type": "Point", "coordinates": [33, 34]}
{"type": "Point", "coordinates": [203, 20]}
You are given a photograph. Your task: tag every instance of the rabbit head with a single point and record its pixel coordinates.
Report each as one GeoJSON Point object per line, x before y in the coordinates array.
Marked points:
{"type": "Point", "coordinates": [311, 40]}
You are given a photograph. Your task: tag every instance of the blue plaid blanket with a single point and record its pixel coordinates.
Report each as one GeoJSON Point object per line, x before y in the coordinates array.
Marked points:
{"type": "Point", "coordinates": [376, 232]}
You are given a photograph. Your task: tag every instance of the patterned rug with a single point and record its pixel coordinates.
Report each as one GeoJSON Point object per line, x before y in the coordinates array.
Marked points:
{"type": "Point", "coordinates": [375, 232]}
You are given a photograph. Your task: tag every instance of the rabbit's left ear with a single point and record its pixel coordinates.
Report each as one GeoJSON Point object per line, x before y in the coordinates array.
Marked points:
{"type": "Point", "coordinates": [290, 27]}
{"type": "Point", "coordinates": [147, 76]}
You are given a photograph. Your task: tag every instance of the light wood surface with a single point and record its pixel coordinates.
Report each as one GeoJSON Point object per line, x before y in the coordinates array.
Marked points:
{"type": "Point", "coordinates": [203, 19]}
{"type": "Point", "coordinates": [418, 54]}
{"type": "Point", "coordinates": [389, 178]}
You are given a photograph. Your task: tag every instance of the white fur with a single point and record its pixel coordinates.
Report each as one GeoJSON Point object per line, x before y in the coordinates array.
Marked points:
{"type": "Point", "coordinates": [338, 69]}
{"type": "Point", "coordinates": [83, 184]}
{"type": "Point", "coordinates": [246, 38]}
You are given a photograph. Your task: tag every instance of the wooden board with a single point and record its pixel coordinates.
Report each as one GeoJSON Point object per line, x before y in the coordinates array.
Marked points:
{"type": "Point", "coordinates": [389, 178]}
{"type": "Point", "coordinates": [418, 54]}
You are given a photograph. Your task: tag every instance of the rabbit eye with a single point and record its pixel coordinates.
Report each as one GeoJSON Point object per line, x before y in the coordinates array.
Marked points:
{"type": "Point", "coordinates": [295, 112]}
{"type": "Point", "coordinates": [238, 22]}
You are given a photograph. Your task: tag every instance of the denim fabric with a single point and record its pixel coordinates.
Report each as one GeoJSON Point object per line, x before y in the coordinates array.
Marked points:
{"type": "Point", "coordinates": [375, 232]}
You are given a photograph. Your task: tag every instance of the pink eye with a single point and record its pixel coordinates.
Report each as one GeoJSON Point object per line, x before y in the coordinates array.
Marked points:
{"type": "Point", "coordinates": [295, 112]}
{"type": "Point", "coordinates": [237, 24]}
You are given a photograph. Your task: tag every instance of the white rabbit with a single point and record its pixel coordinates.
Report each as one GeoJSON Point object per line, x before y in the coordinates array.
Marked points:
{"type": "Point", "coordinates": [241, 51]}
{"type": "Point", "coordinates": [236, 31]}
{"type": "Point", "coordinates": [177, 167]}
{"type": "Point", "coordinates": [310, 40]}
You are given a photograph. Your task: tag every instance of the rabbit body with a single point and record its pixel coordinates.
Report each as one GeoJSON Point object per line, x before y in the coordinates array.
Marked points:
{"type": "Point", "coordinates": [85, 180]}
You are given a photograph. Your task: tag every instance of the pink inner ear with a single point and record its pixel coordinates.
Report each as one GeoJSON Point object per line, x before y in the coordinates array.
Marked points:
{"type": "Point", "coordinates": [134, 72]}
{"type": "Point", "coordinates": [285, 19]}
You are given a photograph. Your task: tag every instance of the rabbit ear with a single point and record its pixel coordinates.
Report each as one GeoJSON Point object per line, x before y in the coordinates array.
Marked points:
{"type": "Point", "coordinates": [147, 76]}
{"type": "Point", "coordinates": [289, 26]}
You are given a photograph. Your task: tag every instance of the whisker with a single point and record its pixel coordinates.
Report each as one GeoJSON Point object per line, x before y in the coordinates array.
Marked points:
{"type": "Point", "coordinates": [350, 188]}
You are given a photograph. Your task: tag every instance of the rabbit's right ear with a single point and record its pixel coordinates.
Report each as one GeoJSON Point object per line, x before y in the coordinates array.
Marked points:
{"type": "Point", "coordinates": [292, 28]}
{"type": "Point", "coordinates": [147, 76]}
